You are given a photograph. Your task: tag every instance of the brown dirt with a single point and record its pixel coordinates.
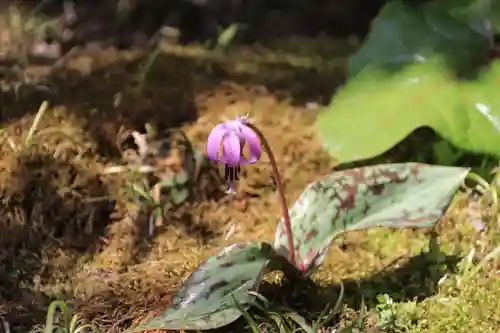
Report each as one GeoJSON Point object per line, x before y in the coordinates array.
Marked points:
{"type": "Point", "coordinates": [66, 231]}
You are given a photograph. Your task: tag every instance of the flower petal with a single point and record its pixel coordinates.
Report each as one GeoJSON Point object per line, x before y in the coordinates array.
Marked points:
{"type": "Point", "coordinates": [231, 149]}
{"type": "Point", "coordinates": [253, 141]}
{"type": "Point", "coordinates": [214, 140]}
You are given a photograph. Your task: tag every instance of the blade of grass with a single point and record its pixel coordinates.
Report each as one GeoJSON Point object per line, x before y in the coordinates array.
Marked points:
{"type": "Point", "coordinates": [63, 307]}
{"type": "Point", "coordinates": [280, 322]}
{"type": "Point", "coordinates": [86, 327]}
{"type": "Point", "coordinates": [468, 261]}
{"type": "Point", "coordinates": [136, 189]}
{"type": "Point", "coordinates": [38, 117]}
{"type": "Point", "coordinates": [360, 322]}
{"type": "Point", "coordinates": [227, 36]}
{"type": "Point", "coordinates": [336, 309]}
{"type": "Point", "coordinates": [300, 321]}
{"type": "Point", "coordinates": [74, 323]}
{"type": "Point", "coordinates": [246, 315]}
{"type": "Point", "coordinates": [146, 67]}
{"type": "Point", "coordinates": [489, 257]}
{"type": "Point", "coordinates": [261, 298]}
{"type": "Point", "coordinates": [480, 181]}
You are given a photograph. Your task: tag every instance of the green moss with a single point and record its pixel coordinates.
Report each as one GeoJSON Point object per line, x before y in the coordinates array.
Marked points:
{"type": "Point", "coordinates": [472, 308]}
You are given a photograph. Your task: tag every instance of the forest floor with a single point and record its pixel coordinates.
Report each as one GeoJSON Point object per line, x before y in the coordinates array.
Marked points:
{"type": "Point", "coordinates": [71, 230]}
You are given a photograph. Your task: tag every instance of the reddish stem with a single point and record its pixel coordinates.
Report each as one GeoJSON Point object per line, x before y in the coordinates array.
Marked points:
{"type": "Point", "coordinates": [281, 192]}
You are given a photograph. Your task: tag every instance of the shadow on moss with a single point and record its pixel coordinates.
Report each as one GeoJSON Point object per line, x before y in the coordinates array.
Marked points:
{"type": "Point", "coordinates": [45, 208]}
{"type": "Point", "coordinates": [414, 279]}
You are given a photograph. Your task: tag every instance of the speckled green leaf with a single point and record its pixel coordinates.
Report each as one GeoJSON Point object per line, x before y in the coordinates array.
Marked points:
{"type": "Point", "coordinates": [387, 195]}
{"type": "Point", "coordinates": [205, 301]}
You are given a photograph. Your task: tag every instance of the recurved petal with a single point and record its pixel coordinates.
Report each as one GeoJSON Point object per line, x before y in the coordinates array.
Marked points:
{"type": "Point", "coordinates": [214, 142]}
{"type": "Point", "coordinates": [231, 149]}
{"type": "Point", "coordinates": [252, 139]}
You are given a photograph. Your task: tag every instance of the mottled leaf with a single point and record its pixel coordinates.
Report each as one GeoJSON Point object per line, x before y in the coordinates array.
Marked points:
{"type": "Point", "coordinates": [387, 195]}
{"type": "Point", "coordinates": [205, 301]}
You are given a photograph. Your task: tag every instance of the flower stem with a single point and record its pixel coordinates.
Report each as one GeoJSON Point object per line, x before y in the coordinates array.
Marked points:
{"type": "Point", "coordinates": [281, 192]}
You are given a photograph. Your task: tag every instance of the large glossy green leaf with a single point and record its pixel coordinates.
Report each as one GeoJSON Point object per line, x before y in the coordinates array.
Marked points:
{"type": "Point", "coordinates": [481, 15]}
{"type": "Point", "coordinates": [403, 34]}
{"type": "Point", "coordinates": [376, 111]}
{"type": "Point", "coordinates": [387, 195]}
{"type": "Point", "coordinates": [207, 298]}
{"type": "Point", "coordinates": [379, 107]}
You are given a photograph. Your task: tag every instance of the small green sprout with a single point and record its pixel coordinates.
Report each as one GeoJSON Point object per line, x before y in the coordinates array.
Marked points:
{"type": "Point", "coordinates": [64, 321]}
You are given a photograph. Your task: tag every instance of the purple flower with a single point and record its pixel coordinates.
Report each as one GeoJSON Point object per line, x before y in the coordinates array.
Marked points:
{"type": "Point", "coordinates": [226, 142]}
